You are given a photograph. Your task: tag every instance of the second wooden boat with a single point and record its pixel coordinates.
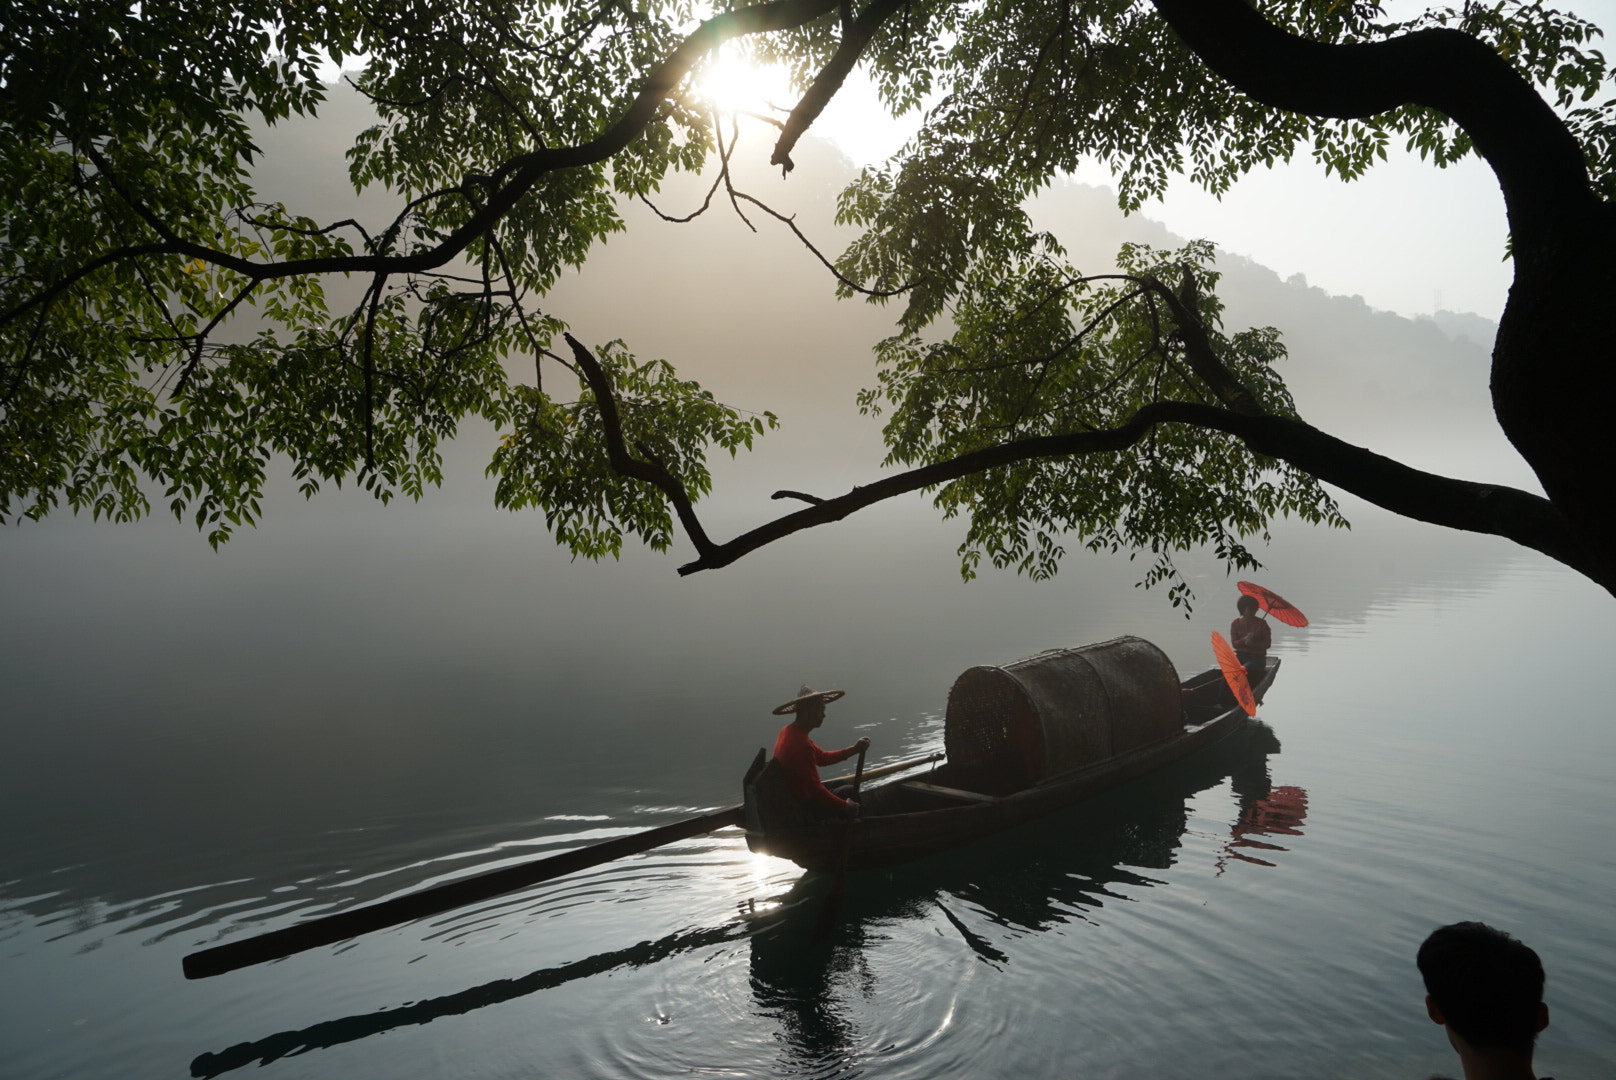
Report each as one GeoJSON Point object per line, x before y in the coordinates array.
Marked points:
{"type": "Point", "coordinates": [1021, 741]}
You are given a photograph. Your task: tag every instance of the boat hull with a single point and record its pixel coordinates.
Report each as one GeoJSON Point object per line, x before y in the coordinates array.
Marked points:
{"type": "Point", "coordinates": [887, 838]}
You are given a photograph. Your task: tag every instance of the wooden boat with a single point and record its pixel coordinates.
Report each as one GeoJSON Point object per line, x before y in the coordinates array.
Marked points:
{"type": "Point", "coordinates": [1021, 741]}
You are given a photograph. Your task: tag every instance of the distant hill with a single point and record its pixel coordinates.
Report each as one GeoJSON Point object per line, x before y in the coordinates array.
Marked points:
{"type": "Point", "coordinates": [1413, 388]}
{"type": "Point", "coordinates": [753, 316]}
{"type": "Point", "coordinates": [1467, 326]}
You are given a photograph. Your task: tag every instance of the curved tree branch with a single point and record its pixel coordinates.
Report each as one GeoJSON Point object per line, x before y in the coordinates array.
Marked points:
{"type": "Point", "coordinates": [803, 496]}
{"type": "Point", "coordinates": [62, 284]}
{"type": "Point", "coordinates": [512, 180]}
{"type": "Point", "coordinates": [856, 35]}
{"type": "Point", "coordinates": [791, 223]}
{"type": "Point", "coordinates": [1538, 162]}
{"type": "Point", "coordinates": [736, 196]}
{"type": "Point", "coordinates": [723, 171]}
{"type": "Point", "coordinates": [1552, 374]}
{"type": "Point", "coordinates": [652, 472]}
{"type": "Point", "coordinates": [1198, 349]}
{"type": "Point", "coordinates": [1527, 519]}
{"type": "Point", "coordinates": [201, 336]}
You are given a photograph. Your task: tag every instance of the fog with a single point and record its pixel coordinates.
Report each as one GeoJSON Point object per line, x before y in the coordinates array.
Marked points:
{"type": "Point", "coordinates": [752, 315]}
{"type": "Point", "coordinates": [406, 644]}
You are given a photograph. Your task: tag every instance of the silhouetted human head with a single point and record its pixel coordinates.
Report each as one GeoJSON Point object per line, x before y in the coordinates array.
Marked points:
{"type": "Point", "coordinates": [1486, 986]}
{"type": "Point", "coordinates": [811, 713]}
{"type": "Point", "coordinates": [809, 706]}
{"type": "Point", "coordinates": [1246, 605]}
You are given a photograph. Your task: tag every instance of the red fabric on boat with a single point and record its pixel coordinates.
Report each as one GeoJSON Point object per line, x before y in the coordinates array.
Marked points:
{"type": "Point", "coordinates": [799, 760]}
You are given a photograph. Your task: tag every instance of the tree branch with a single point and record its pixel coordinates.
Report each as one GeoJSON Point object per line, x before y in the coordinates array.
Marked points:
{"type": "Point", "coordinates": [723, 171]}
{"type": "Point", "coordinates": [61, 285]}
{"type": "Point", "coordinates": [1538, 162]}
{"type": "Point", "coordinates": [1527, 519]}
{"type": "Point", "coordinates": [724, 176]}
{"type": "Point", "coordinates": [510, 182]}
{"type": "Point", "coordinates": [652, 472]}
{"type": "Point", "coordinates": [15, 382]}
{"type": "Point", "coordinates": [735, 197]}
{"type": "Point", "coordinates": [1065, 346]}
{"type": "Point", "coordinates": [202, 336]}
{"type": "Point", "coordinates": [1198, 350]}
{"type": "Point", "coordinates": [369, 338]}
{"type": "Point", "coordinates": [791, 223]}
{"type": "Point", "coordinates": [285, 226]}
{"type": "Point", "coordinates": [145, 213]}
{"type": "Point", "coordinates": [855, 36]}
{"type": "Point", "coordinates": [801, 496]}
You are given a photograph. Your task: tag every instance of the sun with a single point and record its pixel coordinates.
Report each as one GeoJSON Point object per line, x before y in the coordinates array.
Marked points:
{"type": "Point", "coordinates": [733, 83]}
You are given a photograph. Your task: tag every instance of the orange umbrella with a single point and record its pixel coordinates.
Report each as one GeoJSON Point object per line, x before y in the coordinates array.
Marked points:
{"type": "Point", "coordinates": [1273, 603]}
{"type": "Point", "coordinates": [1234, 673]}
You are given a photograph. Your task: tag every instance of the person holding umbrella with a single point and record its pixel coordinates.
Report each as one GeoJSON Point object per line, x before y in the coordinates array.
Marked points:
{"type": "Point", "coordinates": [1251, 635]}
{"type": "Point", "coordinates": [1245, 662]}
{"type": "Point", "coordinates": [1251, 638]}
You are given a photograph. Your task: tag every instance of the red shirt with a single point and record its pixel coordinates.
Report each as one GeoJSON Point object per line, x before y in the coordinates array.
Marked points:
{"type": "Point", "coordinates": [1251, 635]}
{"type": "Point", "coordinates": [800, 759]}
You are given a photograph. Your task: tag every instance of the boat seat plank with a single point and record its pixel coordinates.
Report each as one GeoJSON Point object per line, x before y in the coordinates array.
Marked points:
{"type": "Point", "coordinates": [948, 792]}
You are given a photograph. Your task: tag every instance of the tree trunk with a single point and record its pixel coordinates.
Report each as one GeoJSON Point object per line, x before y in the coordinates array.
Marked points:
{"type": "Point", "coordinates": [1554, 373]}
{"type": "Point", "coordinates": [1554, 362]}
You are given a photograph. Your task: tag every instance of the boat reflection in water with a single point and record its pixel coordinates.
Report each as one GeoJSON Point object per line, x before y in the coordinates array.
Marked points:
{"type": "Point", "coordinates": [1034, 878]}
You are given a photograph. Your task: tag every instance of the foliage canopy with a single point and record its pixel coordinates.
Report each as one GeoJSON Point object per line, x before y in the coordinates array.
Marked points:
{"type": "Point", "coordinates": [1043, 405]}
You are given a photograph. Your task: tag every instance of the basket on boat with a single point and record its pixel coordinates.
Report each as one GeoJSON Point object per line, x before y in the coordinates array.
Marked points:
{"type": "Point", "coordinates": [1063, 709]}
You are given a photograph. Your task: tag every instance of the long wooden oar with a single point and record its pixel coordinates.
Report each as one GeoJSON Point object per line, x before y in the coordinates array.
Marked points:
{"type": "Point", "coordinates": [330, 929]}
{"type": "Point", "coordinates": [885, 770]}
{"type": "Point", "coordinates": [401, 909]}
{"type": "Point", "coordinates": [838, 887]}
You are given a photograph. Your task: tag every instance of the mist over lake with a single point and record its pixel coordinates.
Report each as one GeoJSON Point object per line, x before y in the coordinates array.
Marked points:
{"type": "Point", "coordinates": [351, 701]}
{"type": "Point", "coordinates": [341, 708]}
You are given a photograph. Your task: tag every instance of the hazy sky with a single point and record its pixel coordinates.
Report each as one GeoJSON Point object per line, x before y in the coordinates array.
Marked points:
{"type": "Point", "coordinates": [1408, 238]}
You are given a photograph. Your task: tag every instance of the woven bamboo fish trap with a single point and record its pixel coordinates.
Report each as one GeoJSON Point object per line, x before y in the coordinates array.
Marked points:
{"type": "Point", "coordinates": [1063, 709]}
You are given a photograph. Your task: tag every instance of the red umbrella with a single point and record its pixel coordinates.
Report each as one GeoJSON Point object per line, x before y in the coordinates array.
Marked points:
{"type": "Point", "coordinates": [1234, 673]}
{"type": "Point", "coordinates": [1274, 604]}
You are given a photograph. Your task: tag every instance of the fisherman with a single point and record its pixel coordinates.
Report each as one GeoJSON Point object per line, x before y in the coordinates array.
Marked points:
{"type": "Point", "coordinates": [1251, 638]}
{"type": "Point", "coordinates": [800, 759]}
{"type": "Point", "coordinates": [1486, 989]}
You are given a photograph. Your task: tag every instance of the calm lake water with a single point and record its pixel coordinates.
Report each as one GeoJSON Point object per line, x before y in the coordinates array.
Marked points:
{"type": "Point", "coordinates": [353, 702]}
